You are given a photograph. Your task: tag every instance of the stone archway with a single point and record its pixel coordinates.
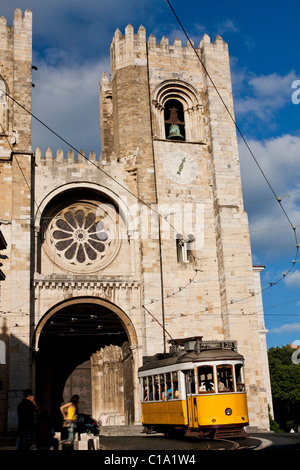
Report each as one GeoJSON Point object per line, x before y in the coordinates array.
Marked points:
{"type": "Point", "coordinates": [87, 342]}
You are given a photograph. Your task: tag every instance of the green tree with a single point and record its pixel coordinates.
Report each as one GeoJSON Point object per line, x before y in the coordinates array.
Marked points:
{"type": "Point", "coordinates": [285, 383]}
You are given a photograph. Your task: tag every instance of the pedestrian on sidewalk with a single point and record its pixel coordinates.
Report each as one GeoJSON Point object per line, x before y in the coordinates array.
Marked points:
{"type": "Point", "coordinates": [70, 412]}
{"type": "Point", "coordinates": [26, 410]}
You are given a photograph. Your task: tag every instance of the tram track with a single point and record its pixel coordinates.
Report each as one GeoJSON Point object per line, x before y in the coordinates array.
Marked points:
{"type": "Point", "coordinates": [161, 443]}
{"type": "Point", "coordinates": [232, 445]}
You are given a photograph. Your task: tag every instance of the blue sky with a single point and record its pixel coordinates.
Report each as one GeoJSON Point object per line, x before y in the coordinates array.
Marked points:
{"type": "Point", "coordinates": [71, 42]}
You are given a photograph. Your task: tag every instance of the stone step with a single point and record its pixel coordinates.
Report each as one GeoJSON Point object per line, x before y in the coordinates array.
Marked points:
{"type": "Point", "coordinates": [121, 430]}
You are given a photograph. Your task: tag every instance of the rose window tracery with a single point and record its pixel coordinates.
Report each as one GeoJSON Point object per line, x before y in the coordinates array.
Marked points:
{"type": "Point", "coordinates": [83, 236]}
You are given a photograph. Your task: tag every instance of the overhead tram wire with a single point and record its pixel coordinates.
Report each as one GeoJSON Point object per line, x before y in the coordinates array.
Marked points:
{"type": "Point", "coordinates": [98, 168]}
{"type": "Point", "coordinates": [137, 197]}
{"type": "Point", "coordinates": [83, 155]}
{"type": "Point", "coordinates": [143, 306]}
{"type": "Point", "coordinates": [140, 200]}
{"type": "Point", "coordinates": [278, 199]}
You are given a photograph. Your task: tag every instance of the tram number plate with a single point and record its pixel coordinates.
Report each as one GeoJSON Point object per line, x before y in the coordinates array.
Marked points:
{"type": "Point", "coordinates": [218, 344]}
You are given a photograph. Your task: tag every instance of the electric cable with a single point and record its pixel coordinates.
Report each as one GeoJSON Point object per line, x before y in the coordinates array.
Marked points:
{"type": "Point", "coordinates": [135, 196]}
{"type": "Point", "coordinates": [278, 199]}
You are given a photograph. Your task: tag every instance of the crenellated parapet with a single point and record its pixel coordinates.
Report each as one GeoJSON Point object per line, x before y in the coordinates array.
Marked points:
{"type": "Point", "coordinates": [58, 157]}
{"type": "Point", "coordinates": [20, 23]}
{"type": "Point", "coordinates": [15, 44]}
{"type": "Point", "coordinates": [132, 48]}
{"type": "Point", "coordinates": [15, 82]}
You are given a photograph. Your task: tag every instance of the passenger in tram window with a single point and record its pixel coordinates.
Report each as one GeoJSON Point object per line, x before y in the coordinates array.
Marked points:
{"type": "Point", "coordinates": [169, 394]}
{"type": "Point", "coordinates": [221, 386]}
{"type": "Point", "coordinates": [209, 386]}
{"type": "Point", "coordinates": [202, 387]}
{"type": "Point", "coordinates": [176, 392]}
{"type": "Point", "coordinates": [155, 395]}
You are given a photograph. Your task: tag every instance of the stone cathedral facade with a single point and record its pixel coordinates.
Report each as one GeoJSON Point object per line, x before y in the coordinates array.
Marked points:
{"type": "Point", "coordinates": [111, 255]}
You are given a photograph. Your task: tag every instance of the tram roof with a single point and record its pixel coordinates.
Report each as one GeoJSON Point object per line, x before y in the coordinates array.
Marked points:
{"type": "Point", "coordinates": [206, 355]}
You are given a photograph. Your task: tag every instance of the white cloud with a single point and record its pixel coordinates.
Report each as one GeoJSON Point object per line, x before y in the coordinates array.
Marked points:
{"type": "Point", "coordinates": [67, 100]}
{"type": "Point", "coordinates": [293, 279]}
{"type": "Point", "coordinates": [279, 159]}
{"type": "Point", "coordinates": [262, 95]}
{"type": "Point", "coordinates": [83, 29]}
{"type": "Point", "coordinates": [286, 328]}
{"type": "Point", "coordinates": [228, 25]}
{"type": "Point", "coordinates": [278, 164]}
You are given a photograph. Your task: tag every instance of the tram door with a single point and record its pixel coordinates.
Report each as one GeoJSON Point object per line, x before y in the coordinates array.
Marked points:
{"type": "Point", "coordinates": [191, 400]}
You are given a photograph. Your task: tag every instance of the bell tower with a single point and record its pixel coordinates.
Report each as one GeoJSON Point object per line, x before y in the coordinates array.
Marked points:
{"type": "Point", "coordinates": [16, 176]}
{"type": "Point", "coordinates": [171, 255]}
{"type": "Point", "coordinates": [162, 117]}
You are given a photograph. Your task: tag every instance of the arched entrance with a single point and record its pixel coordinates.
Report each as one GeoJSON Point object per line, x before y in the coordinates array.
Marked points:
{"type": "Point", "coordinates": [85, 345]}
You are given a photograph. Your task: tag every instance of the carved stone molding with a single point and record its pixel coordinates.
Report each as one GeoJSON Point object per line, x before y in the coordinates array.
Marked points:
{"type": "Point", "coordinates": [91, 284]}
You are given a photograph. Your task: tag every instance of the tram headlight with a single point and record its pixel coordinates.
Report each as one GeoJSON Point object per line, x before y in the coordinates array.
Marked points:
{"type": "Point", "coordinates": [228, 411]}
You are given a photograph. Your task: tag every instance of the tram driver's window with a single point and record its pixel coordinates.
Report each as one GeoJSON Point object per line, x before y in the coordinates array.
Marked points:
{"type": "Point", "coordinates": [191, 382]}
{"type": "Point", "coordinates": [206, 379]}
{"type": "Point", "coordinates": [224, 378]}
{"type": "Point", "coordinates": [240, 385]}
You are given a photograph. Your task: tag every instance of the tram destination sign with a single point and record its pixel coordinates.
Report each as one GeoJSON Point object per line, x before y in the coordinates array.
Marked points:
{"type": "Point", "coordinates": [218, 345]}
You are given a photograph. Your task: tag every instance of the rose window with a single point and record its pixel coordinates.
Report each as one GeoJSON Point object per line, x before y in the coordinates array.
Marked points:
{"type": "Point", "coordinates": [83, 236]}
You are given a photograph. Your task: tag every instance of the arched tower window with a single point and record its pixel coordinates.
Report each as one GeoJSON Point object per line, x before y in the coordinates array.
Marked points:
{"type": "Point", "coordinates": [177, 103]}
{"type": "Point", "coordinates": [174, 120]}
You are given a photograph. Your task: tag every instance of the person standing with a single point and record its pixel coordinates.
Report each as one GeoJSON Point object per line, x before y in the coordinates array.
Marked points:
{"type": "Point", "coordinates": [26, 410]}
{"type": "Point", "coordinates": [70, 411]}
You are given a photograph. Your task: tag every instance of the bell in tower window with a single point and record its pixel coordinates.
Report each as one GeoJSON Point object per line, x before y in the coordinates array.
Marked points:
{"type": "Point", "coordinates": [174, 120]}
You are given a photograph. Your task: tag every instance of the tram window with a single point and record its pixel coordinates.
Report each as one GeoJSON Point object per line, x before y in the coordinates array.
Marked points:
{"type": "Point", "coordinates": [168, 387]}
{"type": "Point", "coordinates": [145, 389]}
{"type": "Point", "coordinates": [206, 379]}
{"type": "Point", "coordinates": [240, 385]}
{"type": "Point", "coordinates": [225, 378]}
{"type": "Point", "coordinates": [150, 389]}
{"type": "Point", "coordinates": [155, 392]}
{"type": "Point", "coordinates": [175, 385]}
{"type": "Point", "coordinates": [162, 387]}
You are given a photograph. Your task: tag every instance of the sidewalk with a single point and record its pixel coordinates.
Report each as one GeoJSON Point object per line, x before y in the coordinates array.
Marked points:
{"type": "Point", "coordinates": [86, 442]}
{"type": "Point", "coordinates": [8, 441]}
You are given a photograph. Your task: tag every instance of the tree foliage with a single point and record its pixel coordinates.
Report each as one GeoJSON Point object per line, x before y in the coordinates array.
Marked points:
{"type": "Point", "coordinates": [285, 384]}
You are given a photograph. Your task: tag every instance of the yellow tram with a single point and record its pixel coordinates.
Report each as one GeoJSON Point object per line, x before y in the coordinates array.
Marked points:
{"type": "Point", "coordinates": [197, 388]}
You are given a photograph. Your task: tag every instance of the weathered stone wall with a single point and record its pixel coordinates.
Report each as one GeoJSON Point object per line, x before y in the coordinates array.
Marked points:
{"type": "Point", "coordinates": [16, 201]}
{"type": "Point", "coordinates": [209, 293]}
{"type": "Point", "coordinates": [212, 295]}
